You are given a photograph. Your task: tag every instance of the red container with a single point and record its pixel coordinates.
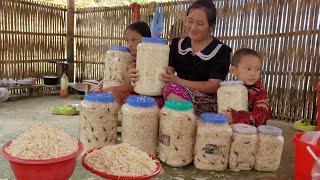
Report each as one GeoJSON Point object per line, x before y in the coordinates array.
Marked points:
{"type": "Point", "coordinates": [303, 160]}
{"type": "Point", "coordinates": [318, 113]}
{"type": "Point", "coordinates": [110, 176]}
{"type": "Point", "coordinates": [57, 168]}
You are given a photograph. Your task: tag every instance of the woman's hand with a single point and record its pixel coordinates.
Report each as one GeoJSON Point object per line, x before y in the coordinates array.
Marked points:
{"type": "Point", "coordinates": [169, 76]}
{"type": "Point", "coordinates": [133, 76]}
{"type": "Point", "coordinates": [98, 88]}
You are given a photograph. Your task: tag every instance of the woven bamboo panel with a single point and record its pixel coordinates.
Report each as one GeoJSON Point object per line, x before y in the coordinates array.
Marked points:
{"type": "Point", "coordinates": [96, 29]}
{"type": "Point", "coordinates": [286, 33]}
{"type": "Point", "coordinates": [32, 38]}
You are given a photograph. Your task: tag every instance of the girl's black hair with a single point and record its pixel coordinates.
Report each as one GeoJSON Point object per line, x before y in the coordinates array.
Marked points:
{"type": "Point", "coordinates": [209, 8]}
{"type": "Point", "coordinates": [141, 28]}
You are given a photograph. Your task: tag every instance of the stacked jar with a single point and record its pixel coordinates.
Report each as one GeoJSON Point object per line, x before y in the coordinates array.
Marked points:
{"type": "Point", "coordinates": [232, 94]}
{"type": "Point", "coordinates": [269, 149]}
{"type": "Point", "coordinates": [152, 59]}
{"type": "Point", "coordinates": [117, 63]}
{"type": "Point", "coordinates": [212, 142]}
{"type": "Point", "coordinates": [243, 147]}
{"type": "Point", "coordinates": [140, 123]}
{"type": "Point", "coordinates": [177, 132]}
{"type": "Point", "coordinates": [98, 120]}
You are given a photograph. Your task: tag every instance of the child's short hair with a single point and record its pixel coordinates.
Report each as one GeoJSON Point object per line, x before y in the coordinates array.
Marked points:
{"type": "Point", "coordinates": [140, 27]}
{"type": "Point", "coordinates": [243, 52]}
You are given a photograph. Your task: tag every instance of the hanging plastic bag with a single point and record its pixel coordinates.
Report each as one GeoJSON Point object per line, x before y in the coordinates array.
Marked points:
{"type": "Point", "coordinates": [157, 24]}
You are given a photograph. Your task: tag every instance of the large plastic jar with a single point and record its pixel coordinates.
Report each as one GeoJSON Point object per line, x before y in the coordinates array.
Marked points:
{"type": "Point", "coordinates": [212, 142]}
{"type": "Point", "coordinates": [177, 129]}
{"type": "Point", "coordinates": [116, 65]}
{"type": "Point", "coordinates": [152, 59]}
{"type": "Point", "coordinates": [243, 147]}
{"type": "Point", "coordinates": [98, 120]}
{"type": "Point", "coordinates": [232, 94]}
{"type": "Point", "coordinates": [140, 119]}
{"type": "Point", "coordinates": [269, 149]}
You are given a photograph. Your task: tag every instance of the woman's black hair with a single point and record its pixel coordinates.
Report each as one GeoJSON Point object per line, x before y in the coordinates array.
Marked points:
{"type": "Point", "coordinates": [209, 8]}
{"type": "Point", "coordinates": [141, 28]}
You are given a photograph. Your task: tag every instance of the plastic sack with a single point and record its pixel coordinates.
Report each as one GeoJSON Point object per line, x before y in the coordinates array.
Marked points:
{"type": "Point", "coordinates": [157, 24]}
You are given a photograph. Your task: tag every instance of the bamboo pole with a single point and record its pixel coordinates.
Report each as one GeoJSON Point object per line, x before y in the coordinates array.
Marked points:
{"type": "Point", "coordinates": [70, 37]}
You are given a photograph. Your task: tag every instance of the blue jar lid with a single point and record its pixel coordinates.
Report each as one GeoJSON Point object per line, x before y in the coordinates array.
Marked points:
{"type": "Point", "coordinates": [118, 48]}
{"type": "Point", "coordinates": [154, 40]}
{"type": "Point", "coordinates": [99, 97]}
{"type": "Point", "coordinates": [270, 130]}
{"type": "Point", "coordinates": [214, 118]}
{"type": "Point", "coordinates": [141, 101]}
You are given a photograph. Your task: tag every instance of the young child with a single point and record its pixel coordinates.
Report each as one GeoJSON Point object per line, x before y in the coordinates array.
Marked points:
{"type": "Point", "coordinates": [246, 66]}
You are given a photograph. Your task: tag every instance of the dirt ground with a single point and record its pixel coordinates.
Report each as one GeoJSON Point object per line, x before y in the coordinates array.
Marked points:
{"type": "Point", "coordinates": [16, 116]}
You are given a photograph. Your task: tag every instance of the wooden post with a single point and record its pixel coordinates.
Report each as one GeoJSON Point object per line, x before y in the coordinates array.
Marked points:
{"type": "Point", "coordinates": [70, 38]}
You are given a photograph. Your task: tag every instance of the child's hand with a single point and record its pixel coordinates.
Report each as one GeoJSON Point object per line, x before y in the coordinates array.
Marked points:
{"type": "Point", "coordinates": [133, 75]}
{"type": "Point", "coordinates": [228, 114]}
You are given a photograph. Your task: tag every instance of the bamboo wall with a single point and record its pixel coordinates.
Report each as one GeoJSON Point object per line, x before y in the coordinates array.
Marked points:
{"type": "Point", "coordinates": [96, 29]}
{"type": "Point", "coordinates": [32, 38]}
{"type": "Point", "coordinates": [286, 33]}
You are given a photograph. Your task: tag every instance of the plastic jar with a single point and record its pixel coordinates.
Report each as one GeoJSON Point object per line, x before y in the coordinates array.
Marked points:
{"type": "Point", "coordinates": [98, 120]}
{"type": "Point", "coordinates": [152, 59]}
{"type": "Point", "coordinates": [116, 65]}
{"type": "Point", "coordinates": [212, 142]}
{"type": "Point", "coordinates": [243, 147]}
{"type": "Point", "coordinates": [269, 149]}
{"type": "Point", "coordinates": [140, 119]}
{"type": "Point", "coordinates": [177, 129]}
{"type": "Point", "coordinates": [232, 94]}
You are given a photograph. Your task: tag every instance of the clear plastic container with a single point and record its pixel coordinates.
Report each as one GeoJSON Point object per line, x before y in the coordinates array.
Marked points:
{"type": "Point", "coordinates": [232, 94]}
{"type": "Point", "coordinates": [4, 94]}
{"type": "Point", "coordinates": [212, 142]}
{"type": "Point", "coordinates": [152, 59]}
{"type": "Point", "coordinates": [269, 149]}
{"type": "Point", "coordinates": [177, 129]}
{"type": "Point", "coordinates": [140, 119]}
{"type": "Point", "coordinates": [311, 137]}
{"type": "Point", "coordinates": [117, 63]}
{"type": "Point", "coordinates": [98, 120]}
{"type": "Point", "coordinates": [243, 147]}
{"type": "Point", "coordinates": [64, 83]}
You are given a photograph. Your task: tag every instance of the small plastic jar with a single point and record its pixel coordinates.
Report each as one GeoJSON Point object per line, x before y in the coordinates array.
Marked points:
{"type": "Point", "coordinates": [232, 94]}
{"type": "Point", "coordinates": [243, 147]}
{"type": "Point", "coordinates": [98, 120]}
{"type": "Point", "coordinates": [269, 149]}
{"type": "Point", "coordinates": [152, 59]}
{"type": "Point", "coordinates": [116, 65]}
{"type": "Point", "coordinates": [177, 128]}
{"type": "Point", "coordinates": [140, 119]}
{"type": "Point", "coordinates": [212, 142]}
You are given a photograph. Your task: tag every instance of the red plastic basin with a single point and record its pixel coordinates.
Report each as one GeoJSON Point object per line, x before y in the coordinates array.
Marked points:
{"type": "Point", "coordinates": [303, 162]}
{"type": "Point", "coordinates": [57, 168]}
{"type": "Point", "coordinates": [110, 176]}
{"type": "Point", "coordinates": [318, 111]}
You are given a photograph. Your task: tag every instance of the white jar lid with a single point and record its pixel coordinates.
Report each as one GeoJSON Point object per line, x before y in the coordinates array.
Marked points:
{"type": "Point", "coordinates": [270, 130]}
{"type": "Point", "coordinates": [231, 83]}
{"type": "Point", "coordinates": [244, 128]}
